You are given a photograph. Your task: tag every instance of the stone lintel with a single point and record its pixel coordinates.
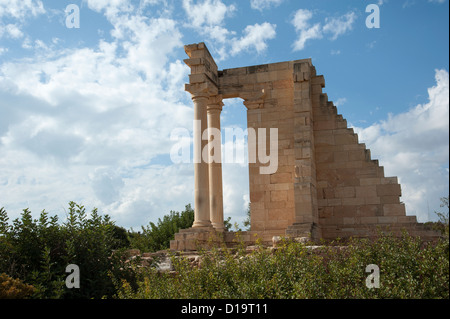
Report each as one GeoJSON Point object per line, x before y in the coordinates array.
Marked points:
{"type": "Point", "coordinates": [207, 88]}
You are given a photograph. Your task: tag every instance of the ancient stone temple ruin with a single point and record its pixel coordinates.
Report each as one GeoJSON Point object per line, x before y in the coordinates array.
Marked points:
{"type": "Point", "coordinates": [325, 186]}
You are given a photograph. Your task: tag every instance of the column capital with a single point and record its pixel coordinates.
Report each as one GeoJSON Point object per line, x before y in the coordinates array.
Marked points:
{"type": "Point", "coordinates": [200, 96]}
{"type": "Point", "coordinates": [254, 104]}
{"type": "Point", "coordinates": [204, 89]}
{"type": "Point", "coordinates": [215, 103]}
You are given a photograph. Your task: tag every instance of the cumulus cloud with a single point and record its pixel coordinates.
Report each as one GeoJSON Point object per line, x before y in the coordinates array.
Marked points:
{"type": "Point", "coordinates": [20, 9]}
{"type": "Point", "coordinates": [92, 124]}
{"type": "Point", "coordinates": [255, 36]}
{"type": "Point", "coordinates": [17, 11]}
{"type": "Point", "coordinates": [340, 25]}
{"type": "Point", "coordinates": [11, 31]}
{"type": "Point", "coordinates": [76, 125]}
{"type": "Point", "coordinates": [264, 4]}
{"type": "Point", "coordinates": [207, 18]}
{"type": "Point", "coordinates": [415, 147]}
{"type": "Point", "coordinates": [335, 26]}
{"type": "Point", "coordinates": [208, 12]}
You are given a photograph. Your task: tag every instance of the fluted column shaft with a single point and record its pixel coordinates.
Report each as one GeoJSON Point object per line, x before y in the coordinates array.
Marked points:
{"type": "Point", "coordinates": [201, 169]}
{"type": "Point", "coordinates": [215, 165]}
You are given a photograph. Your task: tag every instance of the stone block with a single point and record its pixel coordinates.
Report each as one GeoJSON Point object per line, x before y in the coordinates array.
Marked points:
{"type": "Point", "coordinates": [256, 196]}
{"type": "Point", "coordinates": [389, 180]}
{"type": "Point", "coordinates": [343, 139]}
{"type": "Point", "coordinates": [372, 200]}
{"type": "Point", "coordinates": [389, 190]}
{"type": "Point", "coordinates": [281, 178]}
{"type": "Point", "coordinates": [387, 219]}
{"type": "Point", "coordinates": [324, 157]}
{"type": "Point", "coordinates": [341, 156]}
{"type": "Point", "coordinates": [366, 191]}
{"type": "Point", "coordinates": [326, 212]}
{"type": "Point", "coordinates": [369, 210]}
{"type": "Point", "coordinates": [334, 202]}
{"type": "Point", "coordinates": [325, 125]}
{"type": "Point", "coordinates": [324, 140]}
{"type": "Point", "coordinates": [407, 219]}
{"type": "Point", "coordinates": [276, 204]}
{"type": "Point", "coordinates": [329, 193]}
{"type": "Point", "coordinates": [394, 210]}
{"type": "Point", "coordinates": [353, 201]}
{"type": "Point", "coordinates": [389, 200]}
{"type": "Point", "coordinates": [344, 192]}
{"type": "Point", "coordinates": [349, 220]}
{"type": "Point", "coordinates": [278, 214]}
{"type": "Point", "coordinates": [370, 181]}
{"type": "Point", "coordinates": [369, 220]}
{"type": "Point", "coordinates": [358, 155]}
{"type": "Point", "coordinates": [276, 196]}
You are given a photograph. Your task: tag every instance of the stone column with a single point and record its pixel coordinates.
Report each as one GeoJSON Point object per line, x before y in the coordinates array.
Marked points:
{"type": "Point", "coordinates": [215, 163]}
{"type": "Point", "coordinates": [201, 170]}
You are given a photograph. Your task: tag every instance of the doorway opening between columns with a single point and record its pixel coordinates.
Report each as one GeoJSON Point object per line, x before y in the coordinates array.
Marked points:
{"type": "Point", "coordinates": [235, 162]}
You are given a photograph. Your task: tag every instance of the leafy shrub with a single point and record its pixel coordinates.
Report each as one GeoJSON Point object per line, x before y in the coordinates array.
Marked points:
{"type": "Point", "coordinates": [409, 269]}
{"type": "Point", "coordinates": [14, 288]}
{"type": "Point", "coordinates": [38, 251]}
{"type": "Point", "coordinates": [157, 237]}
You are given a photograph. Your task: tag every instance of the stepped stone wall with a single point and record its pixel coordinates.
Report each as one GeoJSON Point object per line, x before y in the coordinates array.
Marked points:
{"type": "Point", "coordinates": [325, 186]}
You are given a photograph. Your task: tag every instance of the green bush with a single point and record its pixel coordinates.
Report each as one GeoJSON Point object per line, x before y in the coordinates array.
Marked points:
{"type": "Point", "coordinates": [408, 269]}
{"type": "Point", "coordinates": [38, 252]}
{"type": "Point", "coordinates": [157, 237]}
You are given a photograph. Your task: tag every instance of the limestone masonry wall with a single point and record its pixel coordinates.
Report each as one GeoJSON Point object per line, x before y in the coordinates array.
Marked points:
{"type": "Point", "coordinates": [326, 184]}
{"type": "Point", "coordinates": [353, 194]}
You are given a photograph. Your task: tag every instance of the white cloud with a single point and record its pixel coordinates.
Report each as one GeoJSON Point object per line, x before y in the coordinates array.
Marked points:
{"type": "Point", "coordinates": [340, 25]}
{"type": "Point", "coordinates": [341, 101]}
{"type": "Point", "coordinates": [255, 37]}
{"type": "Point", "coordinates": [415, 147]}
{"type": "Point", "coordinates": [301, 24]}
{"type": "Point", "coordinates": [207, 13]}
{"type": "Point", "coordinates": [112, 8]}
{"type": "Point", "coordinates": [301, 18]}
{"type": "Point", "coordinates": [17, 11]}
{"type": "Point", "coordinates": [83, 124]}
{"type": "Point", "coordinates": [334, 26]}
{"type": "Point", "coordinates": [264, 4]}
{"type": "Point", "coordinates": [308, 34]}
{"type": "Point", "coordinates": [20, 9]}
{"type": "Point", "coordinates": [207, 17]}
{"type": "Point", "coordinates": [12, 31]}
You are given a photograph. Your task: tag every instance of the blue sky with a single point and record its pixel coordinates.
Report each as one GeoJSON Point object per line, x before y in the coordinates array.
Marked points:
{"type": "Point", "coordinates": [86, 113]}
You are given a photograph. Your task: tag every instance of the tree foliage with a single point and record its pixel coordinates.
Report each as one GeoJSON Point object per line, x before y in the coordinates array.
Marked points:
{"type": "Point", "coordinates": [37, 252]}
{"type": "Point", "coordinates": [155, 237]}
{"type": "Point", "coordinates": [34, 254]}
{"type": "Point", "coordinates": [409, 269]}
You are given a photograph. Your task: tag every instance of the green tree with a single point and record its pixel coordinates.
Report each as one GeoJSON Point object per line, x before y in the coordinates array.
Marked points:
{"type": "Point", "coordinates": [443, 216]}
{"type": "Point", "coordinates": [37, 251]}
{"type": "Point", "coordinates": [155, 237]}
